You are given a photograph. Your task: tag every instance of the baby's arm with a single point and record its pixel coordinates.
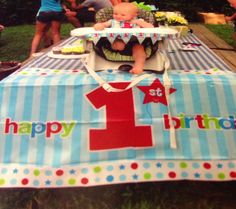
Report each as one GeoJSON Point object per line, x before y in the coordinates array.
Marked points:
{"type": "Point", "coordinates": [102, 25]}
{"type": "Point", "coordinates": [142, 24]}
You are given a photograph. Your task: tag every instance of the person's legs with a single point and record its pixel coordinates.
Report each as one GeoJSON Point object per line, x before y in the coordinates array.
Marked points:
{"type": "Point", "coordinates": [139, 55]}
{"type": "Point", "coordinates": [72, 18]}
{"type": "Point", "coordinates": [85, 15]}
{"type": "Point", "coordinates": [55, 31]}
{"type": "Point", "coordinates": [47, 39]}
{"type": "Point", "coordinates": [40, 30]}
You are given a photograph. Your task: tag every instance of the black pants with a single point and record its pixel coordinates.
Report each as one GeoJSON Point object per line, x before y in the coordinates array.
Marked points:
{"type": "Point", "coordinates": [84, 15]}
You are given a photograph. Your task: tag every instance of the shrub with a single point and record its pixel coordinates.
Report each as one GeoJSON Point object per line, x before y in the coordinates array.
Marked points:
{"type": "Point", "coordinates": [14, 12]}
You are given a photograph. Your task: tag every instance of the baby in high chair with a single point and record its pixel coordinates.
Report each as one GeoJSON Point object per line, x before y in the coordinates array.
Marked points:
{"type": "Point", "coordinates": [125, 16]}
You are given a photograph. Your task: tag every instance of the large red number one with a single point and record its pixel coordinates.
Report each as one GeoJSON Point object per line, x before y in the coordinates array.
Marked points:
{"type": "Point", "coordinates": [121, 131]}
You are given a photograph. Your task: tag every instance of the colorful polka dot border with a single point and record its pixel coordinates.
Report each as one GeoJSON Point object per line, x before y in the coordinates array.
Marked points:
{"type": "Point", "coordinates": [209, 72]}
{"type": "Point", "coordinates": [81, 71]}
{"type": "Point", "coordinates": [115, 173]}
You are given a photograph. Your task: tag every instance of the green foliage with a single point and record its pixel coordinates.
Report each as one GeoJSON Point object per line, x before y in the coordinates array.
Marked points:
{"type": "Point", "coordinates": [15, 12]}
{"type": "Point", "coordinates": [143, 6]}
{"type": "Point", "coordinates": [225, 32]}
{"type": "Point", "coordinates": [191, 8]}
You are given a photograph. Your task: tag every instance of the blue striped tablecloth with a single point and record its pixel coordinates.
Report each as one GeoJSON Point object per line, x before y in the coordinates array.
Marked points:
{"type": "Point", "coordinates": [49, 107]}
{"type": "Point", "coordinates": [202, 59]}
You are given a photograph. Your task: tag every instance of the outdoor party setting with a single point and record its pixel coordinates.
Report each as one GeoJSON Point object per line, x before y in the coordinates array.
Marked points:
{"type": "Point", "coordinates": [110, 104]}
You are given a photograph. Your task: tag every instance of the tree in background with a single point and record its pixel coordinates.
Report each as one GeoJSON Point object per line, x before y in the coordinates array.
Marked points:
{"type": "Point", "coordinates": [15, 12]}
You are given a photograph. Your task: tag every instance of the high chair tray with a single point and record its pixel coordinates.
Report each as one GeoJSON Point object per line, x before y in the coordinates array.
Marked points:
{"type": "Point", "coordinates": [159, 31]}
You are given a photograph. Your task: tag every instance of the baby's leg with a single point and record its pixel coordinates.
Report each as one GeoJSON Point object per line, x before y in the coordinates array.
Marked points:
{"type": "Point", "coordinates": [139, 56]}
{"type": "Point", "coordinates": [118, 45]}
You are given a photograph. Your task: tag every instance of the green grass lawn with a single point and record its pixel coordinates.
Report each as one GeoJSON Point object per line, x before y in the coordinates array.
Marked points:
{"type": "Point", "coordinates": [15, 42]}
{"type": "Point", "coordinates": [225, 32]}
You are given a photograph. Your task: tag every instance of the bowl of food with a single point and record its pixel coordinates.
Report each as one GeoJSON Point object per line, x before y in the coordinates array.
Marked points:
{"type": "Point", "coordinates": [8, 67]}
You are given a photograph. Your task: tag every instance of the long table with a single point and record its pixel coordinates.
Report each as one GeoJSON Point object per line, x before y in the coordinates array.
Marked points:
{"type": "Point", "coordinates": [59, 128]}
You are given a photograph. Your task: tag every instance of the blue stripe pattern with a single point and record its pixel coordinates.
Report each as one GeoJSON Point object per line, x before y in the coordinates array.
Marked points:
{"type": "Point", "coordinates": [196, 94]}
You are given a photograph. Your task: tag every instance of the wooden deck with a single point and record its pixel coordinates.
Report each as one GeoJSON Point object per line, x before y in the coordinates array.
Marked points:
{"type": "Point", "coordinates": [219, 46]}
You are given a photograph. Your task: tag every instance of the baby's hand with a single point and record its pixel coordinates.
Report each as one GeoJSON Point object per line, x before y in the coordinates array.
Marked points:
{"type": "Point", "coordinates": [136, 21]}
{"type": "Point", "coordinates": [141, 23]}
{"type": "Point", "coordinates": [99, 26]}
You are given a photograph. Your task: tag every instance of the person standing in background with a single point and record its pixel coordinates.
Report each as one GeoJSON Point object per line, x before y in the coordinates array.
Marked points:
{"type": "Point", "coordinates": [50, 16]}
{"type": "Point", "coordinates": [1, 27]}
{"type": "Point", "coordinates": [233, 17]}
{"type": "Point", "coordinates": [84, 12]}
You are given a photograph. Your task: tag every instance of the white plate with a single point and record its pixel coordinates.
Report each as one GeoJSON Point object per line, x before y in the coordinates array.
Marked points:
{"type": "Point", "coordinates": [69, 56]}
{"type": "Point", "coordinates": [82, 31]}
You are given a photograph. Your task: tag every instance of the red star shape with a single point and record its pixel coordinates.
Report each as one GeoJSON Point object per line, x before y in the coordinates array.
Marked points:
{"type": "Point", "coordinates": [155, 92]}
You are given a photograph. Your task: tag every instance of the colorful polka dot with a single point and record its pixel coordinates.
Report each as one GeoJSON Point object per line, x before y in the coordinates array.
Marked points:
{"type": "Point", "coordinates": [159, 175]}
{"type": "Point", "coordinates": [232, 174]}
{"type": "Point", "coordinates": [13, 182]}
{"type": "Point", "coordinates": [231, 165]}
{"type": "Point", "coordinates": [208, 176]}
{"type": "Point", "coordinates": [110, 168]}
{"type": "Point", "coordinates": [24, 181]}
{"type": "Point", "coordinates": [97, 179]}
{"type": "Point", "coordinates": [26, 171]}
{"type": "Point", "coordinates": [36, 183]}
{"type": "Point", "coordinates": [59, 172]}
{"type": "Point", "coordinates": [4, 171]}
{"type": "Point", "coordinates": [122, 177]}
{"type": "Point", "coordinates": [71, 181]}
{"type": "Point", "coordinates": [115, 173]}
{"type": "Point", "coordinates": [134, 166]}
{"type": "Point", "coordinates": [97, 169]}
{"type": "Point", "coordinates": [207, 165]}
{"type": "Point", "coordinates": [146, 165]}
{"type": "Point", "coordinates": [48, 173]}
{"type": "Point", "coordinates": [221, 176]}
{"type": "Point", "coordinates": [59, 182]}
{"type": "Point", "coordinates": [183, 165]}
{"type": "Point", "coordinates": [184, 174]}
{"type": "Point", "coordinates": [110, 178]}
{"type": "Point", "coordinates": [147, 176]}
{"type": "Point", "coordinates": [172, 175]}
{"type": "Point", "coordinates": [2, 182]}
{"type": "Point", "coordinates": [195, 165]}
{"type": "Point", "coordinates": [84, 170]}
{"type": "Point", "coordinates": [171, 165]}
{"type": "Point", "coordinates": [36, 172]}
{"type": "Point", "coordinates": [84, 181]}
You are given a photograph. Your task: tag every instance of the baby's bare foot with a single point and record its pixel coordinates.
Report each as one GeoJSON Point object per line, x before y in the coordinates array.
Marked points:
{"type": "Point", "coordinates": [136, 70]}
